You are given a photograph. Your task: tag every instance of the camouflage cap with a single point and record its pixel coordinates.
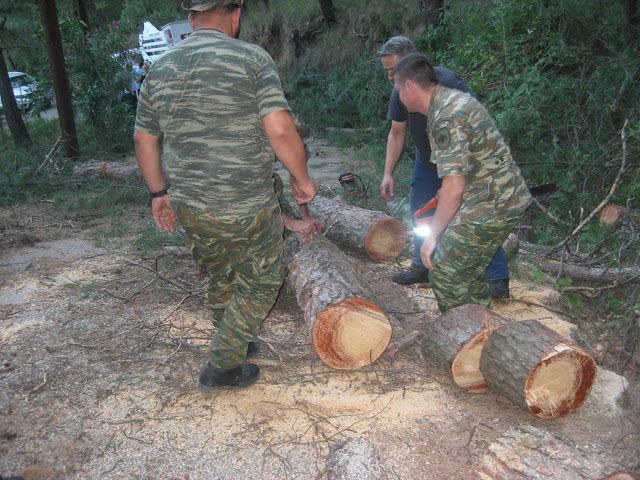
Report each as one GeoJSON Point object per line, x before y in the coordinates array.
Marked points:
{"type": "Point", "coordinates": [202, 5]}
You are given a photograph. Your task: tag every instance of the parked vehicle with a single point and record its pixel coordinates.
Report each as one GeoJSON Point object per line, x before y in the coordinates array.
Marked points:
{"type": "Point", "coordinates": [22, 85]}
{"type": "Point", "coordinates": [154, 42]}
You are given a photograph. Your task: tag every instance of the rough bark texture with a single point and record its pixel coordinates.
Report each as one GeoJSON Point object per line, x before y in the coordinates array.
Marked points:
{"type": "Point", "coordinates": [537, 369]}
{"type": "Point", "coordinates": [353, 458]}
{"type": "Point", "coordinates": [11, 112]}
{"type": "Point", "coordinates": [112, 170]}
{"type": "Point", "coordinates": [347, 327]}
{"type": "Point", "coordinates": [381, 236]}
{"type": "Point", "coordinates": [455, 340]}
{"type": "Point", "coordinates": [530, 453]}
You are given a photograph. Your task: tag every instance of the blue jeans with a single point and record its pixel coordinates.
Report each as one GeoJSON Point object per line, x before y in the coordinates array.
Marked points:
{"type": "Point", "coordinates": [424, 186]}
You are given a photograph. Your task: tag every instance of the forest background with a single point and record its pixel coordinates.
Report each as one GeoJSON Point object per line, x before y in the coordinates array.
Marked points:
{"type": "Point", "coordinates": [560, 78]}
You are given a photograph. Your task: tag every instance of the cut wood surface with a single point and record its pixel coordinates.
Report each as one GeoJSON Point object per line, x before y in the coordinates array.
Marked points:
{"type": "Point", "coordinates": [537, 369]}
{"type": "Point", "coordinates": [348, 329]}
{"type": "Point", "coordinates": [353, 458]}
{"type": "Point", "coordinates": [530, 453]}
{"type": "Point", "coordinates": [455, 340]}
{"type": "Point", "coordinates": [381, 236]}
{"type": "Point", "coordinates": [114, 170]}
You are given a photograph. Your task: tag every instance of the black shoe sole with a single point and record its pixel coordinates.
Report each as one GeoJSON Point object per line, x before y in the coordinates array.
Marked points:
{"type": "Point", "coordinates": [207, 389]}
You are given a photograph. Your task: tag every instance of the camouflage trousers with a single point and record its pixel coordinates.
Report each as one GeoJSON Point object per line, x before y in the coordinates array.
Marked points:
{"type": "Point", "coordinates": [460, 261]}
{"type": "Point", "coordinates": [244, 259]}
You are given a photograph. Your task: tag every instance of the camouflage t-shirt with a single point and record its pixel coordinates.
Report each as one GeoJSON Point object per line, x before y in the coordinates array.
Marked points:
{"type": "Point", "coordinates": [465, 141]}
{"type": "Point", "coordinates": [206, 98]}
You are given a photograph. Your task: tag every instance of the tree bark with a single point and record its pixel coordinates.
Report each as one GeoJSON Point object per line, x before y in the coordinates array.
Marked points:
{"type": "Point", "coordinates": [353, 458]}
{"type": "Point", "coordinates": [537, 369]}
{"type": "Point", "coordinates": [49, 17]}
{"type": "Point", "coordinates": [84, 16]}
{"type": "Point", "coordinates": [529, 453]}
{"type": "Point", "coordinates": [107, 169]}
{"type": "Point", "coordinates": [348, 329]}
{"type": "Point", "coordinates": [455, 341]}
{"type": "Point", "coordinates": [15, 123]}
{"type": "Point", "coordinates": [381, 236]}
{"type": "Point", "coordinates": [432, 12]}
{"type": "Point", "coordinates": [328, 11]}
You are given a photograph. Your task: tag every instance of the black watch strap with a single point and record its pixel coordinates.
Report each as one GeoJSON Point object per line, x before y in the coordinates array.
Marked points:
{"type": "Point", "coordinates": [161, 193]}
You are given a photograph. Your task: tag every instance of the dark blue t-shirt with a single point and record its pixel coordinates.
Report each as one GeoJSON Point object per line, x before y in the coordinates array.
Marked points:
{"type": "Point", "coordinates": [417, 123]}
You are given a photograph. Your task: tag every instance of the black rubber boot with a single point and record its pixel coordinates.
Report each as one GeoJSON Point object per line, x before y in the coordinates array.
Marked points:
{"type": "Point", "coordinates": [499, 289]}
{"type": "Point", "coordinates": [414, 274]}
{"type": "Point", "coordinates": [213, 378]}
{"type": "Point", "coordinates": [253, 348]}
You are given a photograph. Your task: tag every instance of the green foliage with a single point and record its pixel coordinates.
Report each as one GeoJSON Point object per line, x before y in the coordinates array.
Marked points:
{"type": "Point", "coordinates": [537, 275]}
{"type": "Point", "coordinates": [151, 237]}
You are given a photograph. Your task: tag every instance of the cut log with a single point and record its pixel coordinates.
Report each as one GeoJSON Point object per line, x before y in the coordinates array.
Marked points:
{"type": "Point", "coordinates": [537, 369]}
{"type": "Point", "coordinates": [352, 458]}
{"type": "Point", "coordinates": [530, 453]}
{"type": "Point", "coordinates": [381, 236]}
{"type": "Point", "coordinates": [455, 340]}
{"type": "Point", "coordinates": [114, 170]}
{"type": "Point", "coordinates": [348, 329]}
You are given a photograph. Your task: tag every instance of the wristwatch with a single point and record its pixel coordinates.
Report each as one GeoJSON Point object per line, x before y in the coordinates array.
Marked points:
{"type": "Point", "coordinates": [161, 193]}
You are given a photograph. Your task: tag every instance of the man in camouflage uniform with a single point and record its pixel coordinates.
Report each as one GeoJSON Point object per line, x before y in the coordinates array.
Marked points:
{"type": "Point", "coordinates": [219, 106]}
{"type": "Point", "coordinates": [483, 194]}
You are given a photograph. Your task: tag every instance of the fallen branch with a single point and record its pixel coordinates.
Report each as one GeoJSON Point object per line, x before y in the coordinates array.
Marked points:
{"type": "Point", "coordinates": [50, 157]}
{"type": "Point", "coordinates": [605, 201]}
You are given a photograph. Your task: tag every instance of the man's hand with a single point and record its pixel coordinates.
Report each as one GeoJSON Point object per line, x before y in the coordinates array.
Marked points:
{"type": "Point", "coordinates": [386, 187]}
{"type": "Point", "coordinates": [164, 216]}
{"type": "Point", "coordinates": [303, 192]}
{"type": "Point", "coordinates": [427, 249]}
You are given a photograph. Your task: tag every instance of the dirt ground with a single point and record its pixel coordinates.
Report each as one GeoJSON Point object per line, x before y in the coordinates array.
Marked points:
{"type": "Point", "coordinates": [101, 346]}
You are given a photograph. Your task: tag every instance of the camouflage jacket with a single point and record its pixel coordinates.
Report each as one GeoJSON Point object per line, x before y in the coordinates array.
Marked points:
{"type": "Point", "coordinates": [465, 141]}
{"type": "Point", "coordinates": [206, 98]}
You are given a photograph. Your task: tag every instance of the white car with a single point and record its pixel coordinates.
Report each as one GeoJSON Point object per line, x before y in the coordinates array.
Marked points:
{"type": "Point", "coordinates": [22, 85]}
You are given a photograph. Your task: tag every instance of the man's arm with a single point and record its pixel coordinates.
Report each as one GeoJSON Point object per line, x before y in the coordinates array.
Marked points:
{"type": "Point", "coordinates": [148, 154]}
{"type": "Point", "coordinates": [395, 145]}
{"type": "Point", "coordinates": [288, 147]}
{"type": "Point", "coordinates": [449, 201]}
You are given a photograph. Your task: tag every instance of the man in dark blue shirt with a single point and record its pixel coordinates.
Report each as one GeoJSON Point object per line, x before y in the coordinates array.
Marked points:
{"type": "Point", "coordinates": [425, 182]}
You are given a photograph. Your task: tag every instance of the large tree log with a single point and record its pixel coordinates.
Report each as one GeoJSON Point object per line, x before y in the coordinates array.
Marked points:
{"type": "Point", "coordinates": [348, 329]}
{"type": "Point", "coordinates": [537, 369]}
{"type": "Point", "coordinates": [113, 170]}
{"type": "Point", "coordinates": [455, 340]}
{"type": "Point", "coordinates": [381, 236]}
{"type": "Point", "coordinates": [353, 458]}
{"type": "Point", "coordinates": [530, 453]}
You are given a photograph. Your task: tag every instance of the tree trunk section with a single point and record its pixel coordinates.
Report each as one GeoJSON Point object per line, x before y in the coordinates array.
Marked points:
{"type": "Point", "coordinates": [15, 123]}
{"type": "Point", "coordinates": [49, 16]}
{"type": "Point", "coordinates": [537, 369]}
{"type": "Point", "coordinates": [113, 170]}
{"type": "Point", "coordinates": [328, 11]}
{"type": "Point", "coordinates": [353, 458]}
{"type": "Point", "coordinates": [380, 235]}
{"type": "Point", "coordinates": [530, 453]}
{"type": "Point", "coordinates": [455, 341]}
{"type": "Point", "coordinates": [432, 12]}
{"type": "Point", "coordinates": [348, 329]}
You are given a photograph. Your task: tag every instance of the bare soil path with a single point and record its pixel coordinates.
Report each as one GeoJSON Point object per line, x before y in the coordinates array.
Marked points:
{"type": "Point", "coordinates": [101, 346]}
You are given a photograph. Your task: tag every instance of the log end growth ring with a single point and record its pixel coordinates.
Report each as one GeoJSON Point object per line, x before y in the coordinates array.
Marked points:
{"type": "Point", "coordinates": [560, 382]}
{"type": "Point", "coordinates": [385, 240]}
{"type": "Point", "coordinates": [351, 334]}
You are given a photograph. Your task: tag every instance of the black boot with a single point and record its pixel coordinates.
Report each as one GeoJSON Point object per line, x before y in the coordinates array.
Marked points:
{"type": "Point", "coordinates": [253, 348]}
{"type": "Point", "coordinates": [414, 274]}
{"type": "Point", "coordinates": [499, 289]}
{"type": "Point", "coordinates": [213, 378]}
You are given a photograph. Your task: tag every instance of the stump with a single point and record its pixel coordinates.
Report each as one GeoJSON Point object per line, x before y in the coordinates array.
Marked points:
{"type": "Point", "coordinates": [352, 458]}
{"type": "Point", "coordinates": [348, 329]}
{"type": "Point", "coordinates": [455, 341]}
{"type": "Point", "coordinates": [537, 369]}
{"type": "Point", "coordinates": [381, 236]}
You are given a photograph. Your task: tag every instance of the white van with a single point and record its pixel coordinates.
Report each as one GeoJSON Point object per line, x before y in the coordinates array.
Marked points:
{"type": "Point", "coordinates": [22, 85]}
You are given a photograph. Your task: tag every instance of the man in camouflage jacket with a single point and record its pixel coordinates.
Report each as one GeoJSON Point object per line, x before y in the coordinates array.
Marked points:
{"type": "Point", "coordinates": [218, 104]}
{"type": "Point", "coordinates": [483, 193]}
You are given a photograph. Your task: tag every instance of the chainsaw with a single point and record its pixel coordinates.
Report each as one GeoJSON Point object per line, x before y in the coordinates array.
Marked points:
{"type": "Point", "coordinates": [423, 216]}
